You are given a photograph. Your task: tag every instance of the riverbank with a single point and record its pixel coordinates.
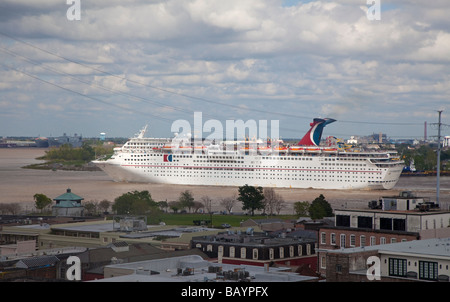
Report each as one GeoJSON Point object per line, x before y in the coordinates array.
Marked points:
{"type": "Point", "coordinates": [19, 185]}
{"type": "Point", "coordinates": [63, 166]}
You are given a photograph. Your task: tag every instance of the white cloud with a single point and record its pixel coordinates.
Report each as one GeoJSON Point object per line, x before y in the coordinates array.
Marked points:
{"type": "Point", "coordinates": [315, 57]}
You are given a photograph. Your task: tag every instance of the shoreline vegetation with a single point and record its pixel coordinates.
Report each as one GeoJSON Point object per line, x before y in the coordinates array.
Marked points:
{"type": "Point", "coordinates": [68, 158]}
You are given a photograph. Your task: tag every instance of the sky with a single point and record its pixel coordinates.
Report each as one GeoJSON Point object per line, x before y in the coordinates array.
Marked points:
{"type": "Point", "coordinates": [115, 66]}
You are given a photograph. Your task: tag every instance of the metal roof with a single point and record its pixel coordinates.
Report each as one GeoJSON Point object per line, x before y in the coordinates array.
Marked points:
{"type": "Point", "coordinates": [68, 196]}
{"type": "Point", "coordinates": [35, 262]}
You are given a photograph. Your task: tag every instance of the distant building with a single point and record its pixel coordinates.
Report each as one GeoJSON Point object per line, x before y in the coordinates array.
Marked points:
{"type": "Point", "coordinates": [418, 260]}
{"type": "Point", "coordinates": [446, 142]}
{"type": "Point", "coordinates": [260, 249]}
{"type": "Point", "coordinates": [68, 204]}
{"type": "Point", "coordinates": [393, 219]}
{"type": "Point", "coordinates": [193, 268]}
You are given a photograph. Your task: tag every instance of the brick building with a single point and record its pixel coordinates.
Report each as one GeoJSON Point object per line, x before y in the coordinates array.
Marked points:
{"type": "Point", "coordinates": [393, 219]}
{"type": "Point", "coordinates": [260, 249]}
{"type": "Point", "coordinates": [417, 260]}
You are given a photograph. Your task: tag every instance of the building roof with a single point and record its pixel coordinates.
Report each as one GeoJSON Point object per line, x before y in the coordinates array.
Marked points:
{"type": "Point", "coordinates": [438, 247]}
{"type": "Point", "coordinates": [68, 196]}
{"type": "Point", "coordinates": [36, 262]}
{"type": "Point", "coordinates": [167, 270]}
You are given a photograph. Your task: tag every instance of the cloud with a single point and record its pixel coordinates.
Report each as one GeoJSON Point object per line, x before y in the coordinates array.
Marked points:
{"type": "Point", "coordinates": [252, 59]}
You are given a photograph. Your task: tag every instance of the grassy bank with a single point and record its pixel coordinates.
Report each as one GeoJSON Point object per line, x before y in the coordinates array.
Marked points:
{"type": "Point", "coordinates": [217, 220]}
{"type": "Point", "coordinates": [66, 157]}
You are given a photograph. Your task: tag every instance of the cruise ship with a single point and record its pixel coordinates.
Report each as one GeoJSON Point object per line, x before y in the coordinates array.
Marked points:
{"type": "Point", "coordinates": [265, 163]}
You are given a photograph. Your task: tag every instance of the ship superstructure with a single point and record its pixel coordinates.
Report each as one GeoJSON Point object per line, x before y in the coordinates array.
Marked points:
{"type": "Point", "coordinates": [263, 163]}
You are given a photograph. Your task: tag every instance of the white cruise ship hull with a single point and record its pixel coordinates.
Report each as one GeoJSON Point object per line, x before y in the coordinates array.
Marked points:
{"type": "Point", "coordinates": [283, 172]}
{"type": "Point", "coordinates": [153, 160]}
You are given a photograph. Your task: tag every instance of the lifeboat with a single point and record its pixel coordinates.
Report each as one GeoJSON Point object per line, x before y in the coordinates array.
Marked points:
{"type": "Point", "coordinates": [296, 149]}
{"type": "Point", "coordinates": [329, 150]}
{"type": "Point", "coordinates": [312, 150]}
{"type": "Point", "coordinates": [264, 150]}
{"type": "Point", "coordinates": [167, 148]}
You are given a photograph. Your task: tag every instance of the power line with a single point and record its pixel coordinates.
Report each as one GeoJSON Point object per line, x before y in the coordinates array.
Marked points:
{"type": "Point", "coordinates": [82, 94]}
{"type": "Point", "coordinates": [194, 97]}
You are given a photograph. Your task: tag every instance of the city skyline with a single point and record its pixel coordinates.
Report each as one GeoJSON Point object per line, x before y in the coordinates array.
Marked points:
{"type": "Point", "coordinates": [114, 67]}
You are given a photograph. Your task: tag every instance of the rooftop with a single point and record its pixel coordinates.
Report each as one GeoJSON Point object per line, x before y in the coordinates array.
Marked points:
{"type": "Point", "coordinates": [69, 196]}
{"type": "Point", "coordinates": [194, 268]}
{"type": "Point", "coordinates": [438, 247]}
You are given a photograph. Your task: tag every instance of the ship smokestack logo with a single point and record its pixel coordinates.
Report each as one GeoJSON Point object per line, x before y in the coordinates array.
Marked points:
{"type": "Point", "coordinates": [167, 157]}
{"type": "Point", "coordinates": [314, 135]}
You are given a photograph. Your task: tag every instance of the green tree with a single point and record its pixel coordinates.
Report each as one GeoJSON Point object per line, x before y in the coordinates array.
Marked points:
{"type": "Point", "coordinates": [186, 200]}
{"type": "Point", "coordinates": [174, 206]}
{"type": "Point", "coordinates": [134, 203]}
{"type": "Point", "coordinates": [320, 208]}
{"type": "Point", "coordinates": [163, 205]}
{"type": "Point", "coordinates": [41, 201]}
{"type": "Point", "coordinates": [251, 198]}
{"type": "Point", "coordinates": [302, 208]}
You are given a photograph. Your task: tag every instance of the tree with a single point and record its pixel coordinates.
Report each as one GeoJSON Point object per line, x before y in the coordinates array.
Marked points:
{"type": "Point", "coordinates": [207, 203]}
{"type": "Point", "coordinates": [10, 208]}
{"type": "Point", "coordinates": [41, 201]}
{"type": "Point", "coordinates": [163, 205]}
{"type": "Point", "coordinates": [251, 198]}
{"type": "Point", "coordinates": [104, 205]}
{"type": "Point", "coordinates": [272, 201]}
{"type": "Point", "coordinates": [174, 206]}
{"type": "Point", "coordinates": [186, 200]}
{"type": "Point", "coordinates": [228, 203]}
{"type": "Point", "coordinates": [320, 208]}
{"type": "Point", "coordinates": [91, 207]}
{"type": "Point", "coordinates": [134, 203]}
{"type": "Point", "coordinates": [301, 208]}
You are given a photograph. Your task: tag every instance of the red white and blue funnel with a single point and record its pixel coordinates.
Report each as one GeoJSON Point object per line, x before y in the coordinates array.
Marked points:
{"type": "Point", "coordinates": [314, 135]}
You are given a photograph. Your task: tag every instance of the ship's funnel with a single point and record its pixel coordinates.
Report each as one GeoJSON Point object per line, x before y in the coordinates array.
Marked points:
{"type": "Point", "coordinates": [314, 135]}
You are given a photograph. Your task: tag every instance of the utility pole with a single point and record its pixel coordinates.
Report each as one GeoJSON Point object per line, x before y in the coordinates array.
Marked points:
{"type": "Point", "coordinates": [438, 171]}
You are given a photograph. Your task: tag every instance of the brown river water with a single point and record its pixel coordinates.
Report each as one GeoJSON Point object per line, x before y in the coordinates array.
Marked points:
{"type": "Point", "coordinates": [18, 185]}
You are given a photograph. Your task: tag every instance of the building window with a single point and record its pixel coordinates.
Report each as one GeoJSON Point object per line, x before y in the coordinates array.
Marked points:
{"type": "Point", "coordinates": [291, 251]}
{"type": "Point", "coordinates": [342, 239]}
{"type": "Point", "coordinates": [323, 262]}
{"type": "Point", "coordinates": [323, 238]}
{"type": "Point", "coordinates": [362, 240]}
{"type": "Point", "coordinates": [373, 240]}
{"type": "Point", "coordinates": [243, 252]}
{"type": "Point", "coordinates": [308, 249]}
{"type": "Point", "coordinates": [352, 240]}
{"type": "Point", "coordinates": [255, 254]}
{"type": "Point", "coordinates": [397, 267]}
{"type": "Point", "coordinates": [300, 250]}
{"type": "Point", "coordinates": [364, 222]}
{"type": "Point", "coordinates": [209, 248]}
{"type": "Point", "coordinates": [271, 254]}
{"type": "Point", "coordinates": [333, 238]}
{"type": "Point", "coordinates": [383, 240]}
{"type": "Point", "coordinates": [281, 252]}
{"type": "Point", "coordinates": [232, 252]}
{"type": "Point", "coordinates": [428, 270]}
